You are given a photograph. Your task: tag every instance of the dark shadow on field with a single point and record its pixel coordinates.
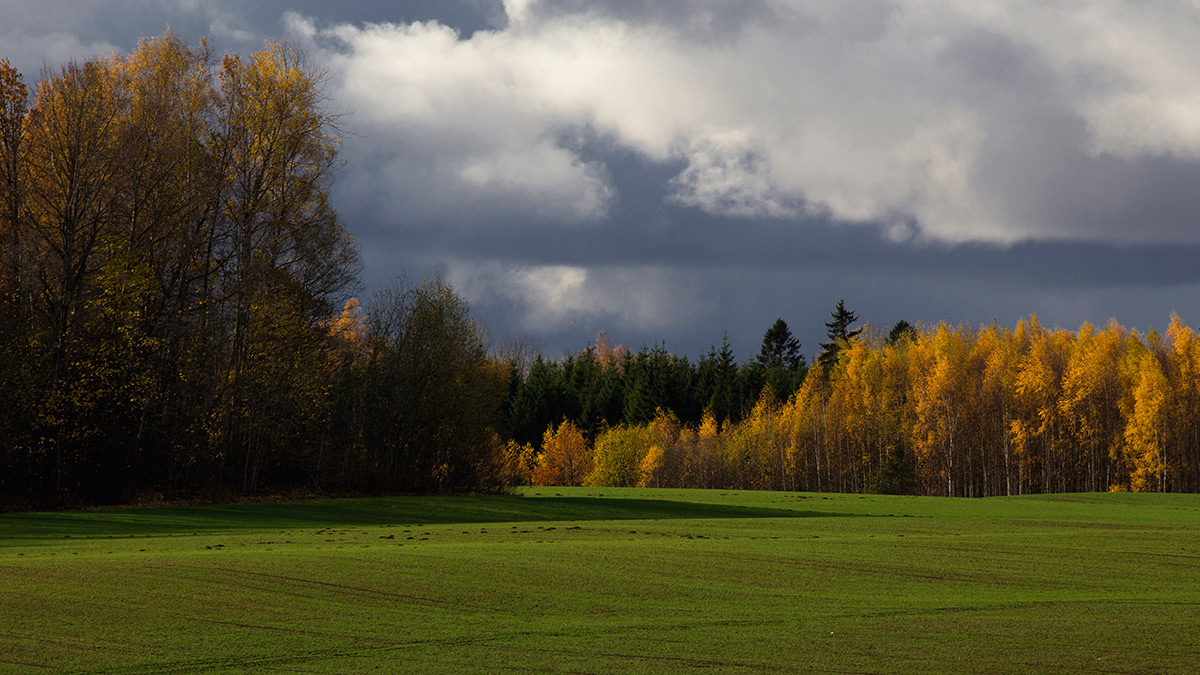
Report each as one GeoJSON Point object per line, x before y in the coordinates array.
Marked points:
{"type": "Point", "coordinates": [362, 512]}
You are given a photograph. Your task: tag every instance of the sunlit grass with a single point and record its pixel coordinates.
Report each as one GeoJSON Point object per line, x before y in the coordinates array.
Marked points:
{"type": "Point", "coordinates": [598, 581]}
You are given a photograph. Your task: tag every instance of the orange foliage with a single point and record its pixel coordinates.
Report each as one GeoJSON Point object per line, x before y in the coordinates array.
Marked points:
{"type": "Point", "coordinates": [566, 458]}
{"type": "Point", "coordinates": [950, 411]}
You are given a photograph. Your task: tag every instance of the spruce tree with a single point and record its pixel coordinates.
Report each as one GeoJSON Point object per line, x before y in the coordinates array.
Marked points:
{"type": "Point", "coordinates": [839, 334]}
{"type": "Point", "coordinates": [780, 360]}
{"type": "Point", "coordinates": [717, 374]}
{"type": "Point", "coordinates": [779, 348]}
{"type": "Point", "coordinates": [903, 330]}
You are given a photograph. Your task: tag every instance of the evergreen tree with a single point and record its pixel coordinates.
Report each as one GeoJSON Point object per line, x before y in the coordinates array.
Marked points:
{"type": "Point", "coordinates": [780, 349]}
{"type": "Point", "coordinates": [716, 376]}
{"type": "Point", "coordinates": [536, 404]}
{"type": "Point", "coordinates": [780, 360]}
{"type": "Point", "coordinates": [569, 404]}
{"type": "Point", "coordinates": [505, 417]}
{"type": "Point", "coordinates": [900, 332]}
{"type": "Point", "coordinates": [750, 380]}
{"type": "Point", "coordinates": [839, 334]}
{"type": "Point", "coordinates": [591, 389]}
{"type": "Point", "coordinates": [896, 475]}
{"type": "Point", "coordinates": [638, 405]}
{"type": "Point", "coordinates": [683, 396]}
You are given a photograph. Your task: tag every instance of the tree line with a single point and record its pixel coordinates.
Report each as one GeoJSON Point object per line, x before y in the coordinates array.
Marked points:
{"type": "Point", "coordinates": [173, 296]}
{"type": "Point", "coordinates": [606, 384]}
{"type": "Point", "coordinates": [180, 315]}
{"type": "Point", "coordinates": [939, 410]}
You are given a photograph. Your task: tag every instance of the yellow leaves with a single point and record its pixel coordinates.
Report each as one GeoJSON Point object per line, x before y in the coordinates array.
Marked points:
{"type": "Point", "coordinates": [1146, 425]}
{"type": "Point", "coordinates": [618, 455]}
{"type": "Point", "coordinates": [609, 356]}
{"type": "Point", "coordinates": [14, 101]}
{"type": "Point", "coordinates": [273, 84]}
{"type": "Point", "coordinates": [708, 426]}
{"type": "Point", "coordinates": [1039, 376]}
{"type": "Point", "coordinates": [231, 66]}
{"type": "Point", "coordinates": [146, 304]}
{"type": "Point", "coordinates": [519, 463]}
{"type": "Point", "coordinates": [987, 411]}
{"type": "Point", "coordinates": [651, 468]}
{"type": "Point", "coordinates": [941, 397]}
{"type": "Point", "coordinates": [275, 143]}
{"type": "Point", "coordinates": [349, 330]}
{"type": "Point", "coordinates": [1089, 401]}
{"type": "Point", "coordinates": [11, 83]}
{"type": "Point", "coordinates": [983, 412]}
{"type": "Point", "coordinates": [566, 458]}
{"type": "Point", "coordinates": [169, 87]}
{"type": "Point", "coordinates": [1184, 361]}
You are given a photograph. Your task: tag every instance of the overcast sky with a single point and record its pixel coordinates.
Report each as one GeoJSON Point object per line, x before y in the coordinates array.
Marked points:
{"type": "Point", "coordinates": [672, 169]}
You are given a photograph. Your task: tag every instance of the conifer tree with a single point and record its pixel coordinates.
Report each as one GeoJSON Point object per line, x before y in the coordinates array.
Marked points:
{"type": "Point", "coordinates": [780, 359]}
{"type": "Point", "coordinates": [779, 348]}
{"type": "Point", "coordinates": [717, 374]}
{"type": "Point", "coordinates": [901, 330]}
{"type": "Point", "coordinates": [839, 334]}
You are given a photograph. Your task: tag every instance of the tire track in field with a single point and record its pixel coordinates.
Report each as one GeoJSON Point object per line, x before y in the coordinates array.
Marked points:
{"type": "Point", "coordinates": [356, 590]}
{"type": "Point", "coordinates": [76, 645]}
{"type": "Point", "coordinates": [345, 589]}
{"type": "Point", "coordinates": [26, 664]}
{"type": "Point", "coordinates": [313, 655]}
{"type": "Point", "coordinates": [272, 590]}
{"type": "Point", "coordinates": [665, 660]}
{"type": "Point", "coordinates": [496, 639]}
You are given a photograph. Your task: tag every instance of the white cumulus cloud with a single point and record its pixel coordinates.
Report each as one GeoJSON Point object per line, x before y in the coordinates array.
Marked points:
{"type": "Point", "coordinates": [925, 118]}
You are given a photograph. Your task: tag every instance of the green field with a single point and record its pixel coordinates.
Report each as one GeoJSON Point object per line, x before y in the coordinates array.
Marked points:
{"type": "Point", "coordinates": [598, 581]}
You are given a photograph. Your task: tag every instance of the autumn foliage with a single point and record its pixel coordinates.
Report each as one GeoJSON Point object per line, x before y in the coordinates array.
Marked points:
{"type": "Point", "coordinates": [947, 411]}
{"type": "Point", "coordinates": [565, 458]}
{"type": "Point", "coordinates": [173, 297]}
{"type": "Point", "coordinates": [178, 313]}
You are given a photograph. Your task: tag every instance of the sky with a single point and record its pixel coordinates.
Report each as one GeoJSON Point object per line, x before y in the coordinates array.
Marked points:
{"type": "Point", "coordinates": [671, 171]}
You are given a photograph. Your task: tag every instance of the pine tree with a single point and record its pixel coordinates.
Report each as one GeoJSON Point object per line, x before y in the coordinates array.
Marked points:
{"type": "Point", "coordinates": [638, 406]}
{"type": "Point", "coordinates": [901, 331]}
{"type": "Point", "coordinates": [780, 360]}
{"type": "Point", "coordinates": [717, 374]}
{"type": "Point", "coordinates": [536, 403]}
{"type": "Point", "coordinates": [780, 349]}
{"type": "Point", "coordinates": [839, 333]}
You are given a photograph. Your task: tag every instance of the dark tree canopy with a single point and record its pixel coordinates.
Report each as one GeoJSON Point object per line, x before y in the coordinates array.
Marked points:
{"type": "Point", "coordinates": [171, 275]}
{"type": "Point", "coordinates": [422, 399]}
{"type": "Point", "coordinates": [780, 349]}
{"type": "Point", "coordinates": [839, 333]}
{"type": "Point", "coordinates": [717, 380]}
{"type": "Point", "coordinates": [901, 331]}
{"type": "Point", "coordinates": [779, 364]}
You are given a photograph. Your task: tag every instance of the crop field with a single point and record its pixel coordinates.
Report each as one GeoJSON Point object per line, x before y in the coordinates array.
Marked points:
{"type": "Point", "coordinates": [588, 580]}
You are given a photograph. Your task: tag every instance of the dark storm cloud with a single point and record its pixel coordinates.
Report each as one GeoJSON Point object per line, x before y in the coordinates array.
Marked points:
{"type": "Point", "coordinates": [1093, 227]}
{"type": "Point", "coordinates": [1039, 148]}
{"type": "Point", "coordinates": [34, 33]}
{"type": "Point", "coordinates": [671, 169]}
{"type": "Point", "coordinates": [738, 275]}
{"type": "Point", "coordinates": [645, 230]}
{"type": "Point", "coordinates": [976, 288]}
{"type": "Point", "coordinates": [706, 19]}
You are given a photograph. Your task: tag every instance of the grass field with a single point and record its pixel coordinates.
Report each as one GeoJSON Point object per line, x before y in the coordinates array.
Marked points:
{"type": "Point", "coordinates": [601, 581]}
